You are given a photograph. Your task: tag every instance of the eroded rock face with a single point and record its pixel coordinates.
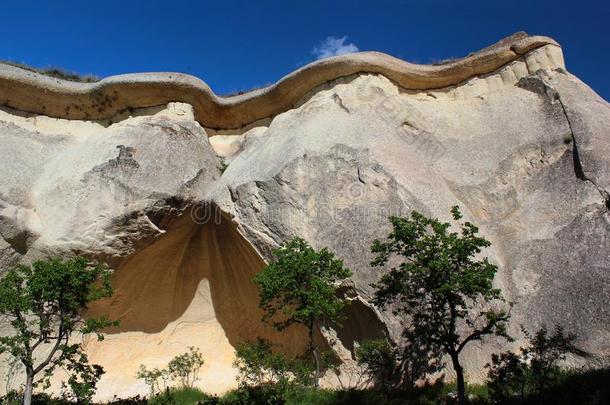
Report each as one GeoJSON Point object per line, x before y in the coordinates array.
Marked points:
{"type": "Point", "coordinates": [525, 160]}
{"type": "Point", "coordinates": [523, 150]}
{"type": "Point", "coordinates": [89, 187]}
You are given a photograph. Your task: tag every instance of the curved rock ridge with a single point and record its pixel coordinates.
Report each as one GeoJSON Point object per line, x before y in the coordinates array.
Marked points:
{"type": "Point", "coordinates": [28, 91]}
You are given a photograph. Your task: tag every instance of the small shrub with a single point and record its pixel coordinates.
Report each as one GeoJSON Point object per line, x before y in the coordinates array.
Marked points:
{"type": "Point", "coordinates": [546, 351]}
{"type": "Point", "coordinates": [258, 365]}
{"type": "Point", "coordinates": [185, 367]}
{"type": "Point", "coordinates": [534, 369]}
{"type": "Point", "coordinates": [13, 397]}
{"type": "Point", "coordinates": [379, 360]}
{"type": "Point", "coordinates": [156, 379]}
{"type": "Point", "coordinates": [507, 376]}
{"type": "Point", "coordinates": [182, 396]}
{"type": "Point", "coordinates": [268, 394]}
{"type": "Point", "coordinates": [223, 165]}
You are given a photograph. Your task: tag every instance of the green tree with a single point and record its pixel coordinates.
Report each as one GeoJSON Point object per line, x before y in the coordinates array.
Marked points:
{"type": "Point", "coordinates": [438, 283]}
{"type": "Point", "coordinates": [300, 287]}
{"type": "Point", "coordinates": [43, 303]}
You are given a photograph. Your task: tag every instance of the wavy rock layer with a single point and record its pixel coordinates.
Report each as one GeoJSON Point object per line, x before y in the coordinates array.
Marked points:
{"type": "Point", "coordinates": [520, 144]}
{"type": "Point", "coordinates": [28, 91]}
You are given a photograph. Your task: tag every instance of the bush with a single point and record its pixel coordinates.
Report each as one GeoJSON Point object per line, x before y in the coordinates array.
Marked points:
{"type": "Point", "coordinates": [534, 369]}
{"type": "Point", "coordinates": [185, 367]}
{"type": "Point", "coordinates": [156, 379]}
{"type": "Point", "coordinates": [258, 365]}
{"type": "Point", "coordinates": [508, 376]}
{"type": "Point", "coordinates": [269, 394]}
{"type": "Point", "coordinates": [379, 360]}
{"type": "Point", "coordinates": [182, 396]}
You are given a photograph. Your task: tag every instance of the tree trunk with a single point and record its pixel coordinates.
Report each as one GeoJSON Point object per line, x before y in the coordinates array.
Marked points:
{"type": "Point", "coordinates": [459, 372]}
{"type": "Point", "coordinates": [29, 387]}
{"type": "Point", "coordinates": [314, 352]}
{"type": "Point", "coordinates": [316, 356]}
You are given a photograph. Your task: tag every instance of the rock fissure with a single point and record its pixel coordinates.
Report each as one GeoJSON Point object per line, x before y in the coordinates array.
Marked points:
{"type": "Point", "coordinates": [578, 166]}
{"type": "Point", "coordinates": [339, 101]}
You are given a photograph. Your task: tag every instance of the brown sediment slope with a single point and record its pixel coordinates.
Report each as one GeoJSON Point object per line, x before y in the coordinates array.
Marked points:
{"type": "Point", "coordinates": [190, 287]}
{"type": "Point", "coordinates": [32, 92]}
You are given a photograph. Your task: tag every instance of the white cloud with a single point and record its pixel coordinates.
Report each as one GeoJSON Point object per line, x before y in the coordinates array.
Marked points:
{"type": "Point", "coordinates": [333, 46]}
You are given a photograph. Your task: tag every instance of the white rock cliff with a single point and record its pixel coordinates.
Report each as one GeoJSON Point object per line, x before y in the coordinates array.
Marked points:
{"type": "Point", "coordinates": [128, 171]}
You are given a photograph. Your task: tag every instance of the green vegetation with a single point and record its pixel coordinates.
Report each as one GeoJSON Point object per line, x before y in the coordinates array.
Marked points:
{"type": "Point", "coordinates": [300, 287]}
{"type": "Point", "coordinates": [438, 283]}
{"type": "Point", "coordinates": [184, 369]}
{"type": "Point", "coordinates": [259, 366]}
{"type": "Point", "coordinates": [223, 164]}
{"type": "Point", "coordinates": [43, 303]}
{"type": "Point", "coordinates": [379, 360]}
{"type": "Point", "coordinates": [55, 72]}
{"type": "Point", "coordinates": [179, 396]}
{"type": "Point", "coordinates": [440, 287]}
{"type": "Point", "coordinates": [517, 376]}
{"type": "Point", "coordinates": [576, 387]}
{"type": "Point", "coordinates": [157, 379]}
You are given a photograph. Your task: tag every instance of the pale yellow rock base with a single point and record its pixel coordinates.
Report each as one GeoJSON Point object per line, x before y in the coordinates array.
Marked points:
{"type": "Point", "coordinates": [191, 287]}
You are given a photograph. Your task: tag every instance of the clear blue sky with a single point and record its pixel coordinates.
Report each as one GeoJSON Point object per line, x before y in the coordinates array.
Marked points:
{"type": "Point", "coordinates": [236, 45]}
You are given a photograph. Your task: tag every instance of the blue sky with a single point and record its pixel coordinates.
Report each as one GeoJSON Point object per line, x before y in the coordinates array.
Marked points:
{"type": "Point", "coordinates": [237, 45]}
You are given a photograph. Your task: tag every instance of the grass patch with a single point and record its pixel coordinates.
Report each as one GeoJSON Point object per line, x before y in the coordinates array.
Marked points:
{"type": "Point", "coordinates": [55, 72]}
{"type": "Point", "coordinates": [179, 396]}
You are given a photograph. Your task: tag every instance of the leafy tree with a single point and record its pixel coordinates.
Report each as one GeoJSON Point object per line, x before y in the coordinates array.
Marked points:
{"type": "Point", "coordinates": [43, 303]}
{"type": "Point", "coordinates": [534, 369]}
{"type": "Point", "coordinates": [185, 367]}
{"type": "Point", "coordinates": [300, 287]}
{"type": "Point", "coordinates": [439, 285]}
{"type": "Point", "coordinates": [83, 380]}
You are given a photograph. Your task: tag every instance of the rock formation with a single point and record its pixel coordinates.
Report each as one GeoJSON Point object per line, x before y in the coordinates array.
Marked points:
{"type": "Point", "coordinates": [129, 170]}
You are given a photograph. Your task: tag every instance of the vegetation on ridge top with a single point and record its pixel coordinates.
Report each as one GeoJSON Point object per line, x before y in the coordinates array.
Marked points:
{"type": "Point", "coordinates": [55, 72]}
